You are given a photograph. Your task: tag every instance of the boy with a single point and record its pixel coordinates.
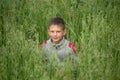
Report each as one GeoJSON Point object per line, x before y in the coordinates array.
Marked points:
{"type": "Point", "coordinates": [57, 44]}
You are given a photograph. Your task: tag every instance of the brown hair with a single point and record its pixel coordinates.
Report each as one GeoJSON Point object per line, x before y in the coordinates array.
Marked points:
{"type": "Point", "coordinates": [57, 21]}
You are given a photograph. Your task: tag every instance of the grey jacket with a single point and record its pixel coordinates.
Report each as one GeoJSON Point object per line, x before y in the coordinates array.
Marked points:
{"type": "Point", "coordinates": [59, 51]}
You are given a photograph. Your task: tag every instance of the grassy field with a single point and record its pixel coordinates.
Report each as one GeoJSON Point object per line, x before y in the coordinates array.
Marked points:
{"type": "Point", "coordinates": [93, 25]}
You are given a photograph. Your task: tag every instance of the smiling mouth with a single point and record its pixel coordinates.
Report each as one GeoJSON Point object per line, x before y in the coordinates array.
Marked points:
{"type": "Point", "coordinates": [55, 37]}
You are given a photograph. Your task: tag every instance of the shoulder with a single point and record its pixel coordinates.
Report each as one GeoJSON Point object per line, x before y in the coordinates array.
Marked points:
{"type": "Point", "coordinates": [43, 44]}
{"type": "Point", "coordinates": [72, 46]}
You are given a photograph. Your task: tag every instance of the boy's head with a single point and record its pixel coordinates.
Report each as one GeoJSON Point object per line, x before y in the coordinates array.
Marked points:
{"type": "Point", "coordinates": [57, 21]}
{"type": "Point", "coordinates": [56, 29]}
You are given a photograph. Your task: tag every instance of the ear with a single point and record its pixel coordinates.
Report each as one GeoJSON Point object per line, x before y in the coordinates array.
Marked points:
{"type": "Point", "coordinates": [64, 32]}
{"type": "Point", "coordinates": [48, 32]}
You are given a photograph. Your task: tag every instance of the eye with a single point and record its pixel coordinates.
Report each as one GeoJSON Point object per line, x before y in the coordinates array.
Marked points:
{"type": "Point", "coordinates": [52, 31]}
{"type": "Point", "coordinates": [58, 31]}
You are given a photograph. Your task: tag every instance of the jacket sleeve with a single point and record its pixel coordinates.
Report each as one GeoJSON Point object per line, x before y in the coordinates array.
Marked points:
{"type": "Point", "coordinates": [73, 47]}
{"type": "Point", "coordinates": [43, 44]}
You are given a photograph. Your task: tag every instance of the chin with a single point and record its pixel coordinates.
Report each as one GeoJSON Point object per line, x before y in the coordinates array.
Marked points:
{"type": "Point", "coordinates": [56, 41]}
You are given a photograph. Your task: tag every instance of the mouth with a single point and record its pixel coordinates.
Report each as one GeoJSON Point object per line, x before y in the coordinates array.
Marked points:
{"type": "Point", "coordinates": [55, 38]}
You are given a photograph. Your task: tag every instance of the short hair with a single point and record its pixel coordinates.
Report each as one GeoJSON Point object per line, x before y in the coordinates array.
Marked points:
{"type": "Point", "coordinates": [57, 21]}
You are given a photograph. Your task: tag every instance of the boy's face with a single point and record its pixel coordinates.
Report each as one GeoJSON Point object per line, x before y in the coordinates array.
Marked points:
{"type": "Point", "coordinates": [56, 33]}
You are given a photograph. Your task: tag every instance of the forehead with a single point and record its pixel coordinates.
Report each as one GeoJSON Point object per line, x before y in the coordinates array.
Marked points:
{"type": "Point", "coordinates": [55, 27]}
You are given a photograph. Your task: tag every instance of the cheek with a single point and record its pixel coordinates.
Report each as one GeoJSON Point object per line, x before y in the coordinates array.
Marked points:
{"type": "Point", "coordinates": [60, 34]}
{"type": "Point", "coordinates": [49, 34]}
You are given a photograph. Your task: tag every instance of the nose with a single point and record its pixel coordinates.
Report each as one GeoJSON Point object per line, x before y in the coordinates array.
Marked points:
{"type": "Point", "coordinates": [55, 33]}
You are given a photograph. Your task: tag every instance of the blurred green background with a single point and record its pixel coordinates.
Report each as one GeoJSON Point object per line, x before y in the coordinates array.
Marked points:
{"type": "Point", "coordinates": [93, 25]}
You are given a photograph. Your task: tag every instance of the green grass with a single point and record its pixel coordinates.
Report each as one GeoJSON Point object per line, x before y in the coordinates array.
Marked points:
{"type": "Point", "coordinates": [93, 25]}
